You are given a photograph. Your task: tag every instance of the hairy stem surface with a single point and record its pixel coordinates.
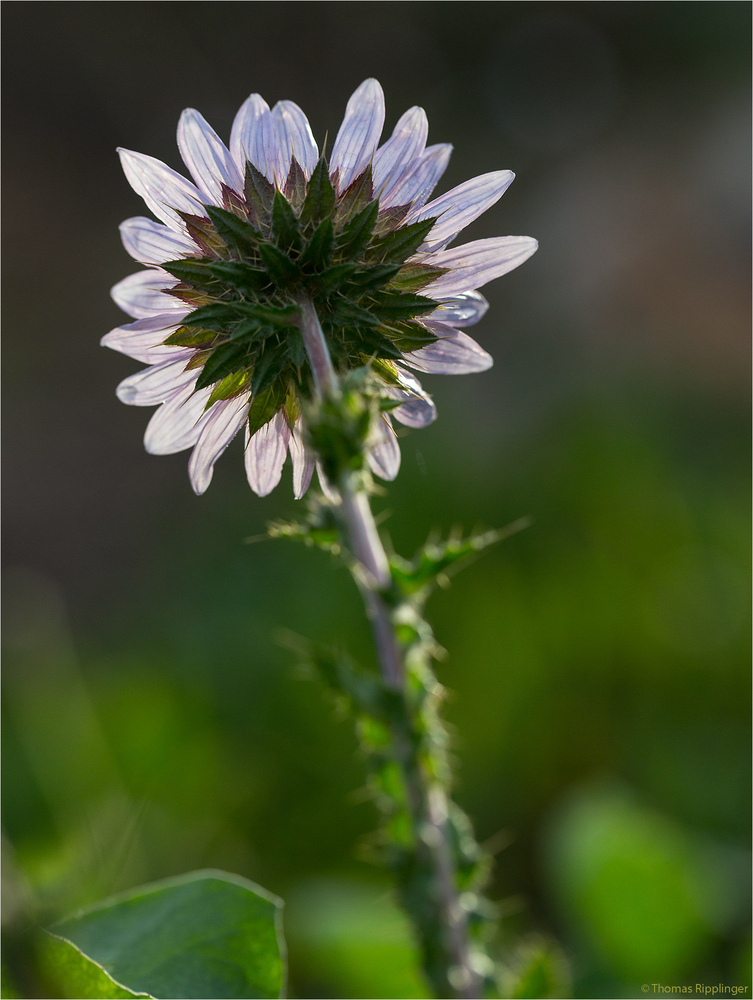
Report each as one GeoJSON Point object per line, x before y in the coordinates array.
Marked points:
{"type": "Point", "coordinates": [429, 884]}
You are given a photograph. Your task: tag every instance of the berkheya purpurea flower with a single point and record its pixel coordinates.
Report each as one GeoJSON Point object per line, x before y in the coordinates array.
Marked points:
{"type": "Point", "coordinates": [267, 223]}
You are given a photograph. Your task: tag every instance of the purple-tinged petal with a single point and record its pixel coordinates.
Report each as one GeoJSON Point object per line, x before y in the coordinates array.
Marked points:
{"type": "Point", "coordinates": [224, 421]}
{"type": "Point", "coordinates": [359, 133]}
{"type": "Point", "coordinates": [454, 353]}
{"type": "Point", "coordinates": [265, 454]}
{"type": "Point", "coordinates": [384, 453]}
{"type": "Point", "coordinates": [177, 424]}
{"type": "Point", "coordinates": [164, 190]}
{"type": "Point", "coordinates": [145, 294]}
{"type": "Point", "coordinates": [326, 487]}
{"type": "Point", "coordinates": [399, 155]}
{"type": "Point", "coordinates": [244, 129]}
{"type": "Point", "coordinates": [416, 185]}
{"type": "Point", "coordinates": [265, 152]}
{"type": "Point", "coordinates": [143, 340]}
{"type": "Point", "coordinates": [460, 310]}
{"type": "Point", "coordinates": [150, 243]}
{"type": "Point", "coordinates": [157, 383]}
{"type": "Point", "coordinates": [303, 461]}
{"type": "Point", "coordinates": [206, 156]}
{"type": "Point", "coordinates": [417, 409]}
{"type": "Point", "coordinates": [459, 207]}
{"type": "Point", "coordinates": [473, 264]}
{"type": "Point", "coordinates": [295, 137]}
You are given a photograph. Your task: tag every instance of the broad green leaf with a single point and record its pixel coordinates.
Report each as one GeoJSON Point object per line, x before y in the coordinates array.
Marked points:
{"type": "Point", "coordinates": [217, 314]}
{"type": "Point", "coordinates": [413, 277]}
{"type": "Point", "coordinates": [240, 275]}
{"type": "Point", "coordinates": [206, 934]}
{"type": "Point", "coordinates": [401, 305]}
{"type": "Point", "coordinates": [259, 192]}
{"type": "Point", "coordinates": [76, 975]}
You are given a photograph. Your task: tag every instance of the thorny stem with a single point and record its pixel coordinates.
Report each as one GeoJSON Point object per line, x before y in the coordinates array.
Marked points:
{"type": "Point", "coordinates": [427, 801]}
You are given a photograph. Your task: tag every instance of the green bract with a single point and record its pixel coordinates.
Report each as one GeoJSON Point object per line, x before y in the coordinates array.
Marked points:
{"type": "Point", "coordinates": [264, 251]}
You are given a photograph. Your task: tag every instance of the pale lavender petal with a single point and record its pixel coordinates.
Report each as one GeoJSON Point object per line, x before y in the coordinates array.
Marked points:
{"type": "Point", "coordinates": [143, 340]}
{"type": "Point", "coordinates": [418, 409]}
{"type": "Point", "coordinates": [206, 156]}
{"type": "Point", "coordinates": [384, 453]}
{"type": "Point", "coordinates": [326, 487]}
{"type": "Point", "coordinates": [416, 185]}
{"type": "Point", "coordinates": [455, 353]}
{"type": "Point", "coordinates": [459, 207]}
{"type": "Point", "coordinates": [473, 264]}
{"type": "Point", "coordinates": [359, 133]}
{"type": "Point", "coordinates": [150, 243]}
{"type": "Point", "coordinates": [164, 190]}
{"type": "Point", "coordinates": [265, 152]}
{"type": "Point", "coordinates": [244, 130]}
{"type": "Point", "coordinates": [224, 421]}
{"type": "Point", "coordinates": [177, 424]}
{"type": "Point", "coordinates": [157, 383]}
{"type": "Point", "coordinates": [401, 151]}
{"type": "Point", "coordinates": [303, 461]}
{"type": "Point", "coordinates": [295, 137]}
{"type": "Point", "coordinates": [461, 310]}
{"type": "Point", "coordinates": [145, 294]}
{"type": "Point", "coordinates": [265, 454]}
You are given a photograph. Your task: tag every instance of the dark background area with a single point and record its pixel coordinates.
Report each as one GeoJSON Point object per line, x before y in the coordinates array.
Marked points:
{"type": "Point", "coordinates": [598, 661]}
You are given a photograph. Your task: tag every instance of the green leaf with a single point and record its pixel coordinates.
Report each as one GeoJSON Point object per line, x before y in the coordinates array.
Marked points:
{"type": "Point", "coordinates": [268, 366]}
{"type": "Point", "coordinates": [280, 267]}
{"type": "Point", "coordinates": [317, 254]}
{"type": "Point", "coordinates": [217, 314]}
{"type": "Point", "coordinates": [193, 272]}
{"type": "Point", "coordinates": [320, 197]}
{"type": "Point", "coordinates": [374, 276]}
{"type": "Point", "coordinates": [202, 232]}
{"type": "Point", "coordinates": [223, 360]}
{"type": "Point", "coordinates": [264, 405]}
{"type": "Point", "coordinates": [230, 386]}
{"type": "Point", "coordinates": [296, 184]}
{"type": "Point", "coordinates": [242, 276]}
{"type": "Point", "coordinates": [236, 232]}
{"type": "Point", "coordinates": [284, 223]}
{"type": "Point", "coordinates": [77, 976]}
{"type": "Point", "coordinates": [413, 277]}
{"type": "Point", "coordinates": [190, 336]}
{"type": "Point", "coordinates": [355, 197]}
{"type": "Point", "coordinates": [259, 192]}
{"type": "Point", "coordinates": [355, 235]}
{"type": "Point", "coordinates": [402, 243]}
{"type": "Point", "coordinates": [349, 314]}
{"type": "Point", "coordinates": [401, 305]}
{"type": "Point", "coordinates": [206, 934]}
{"type": "Point", "coordinates": [334, 277]}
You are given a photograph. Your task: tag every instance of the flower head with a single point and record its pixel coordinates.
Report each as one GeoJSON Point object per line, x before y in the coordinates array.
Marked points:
{"type": "Point", "coordinates": [268, 221]}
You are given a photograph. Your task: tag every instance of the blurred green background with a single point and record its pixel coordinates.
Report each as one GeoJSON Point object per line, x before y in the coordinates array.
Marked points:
{"type": "Point", "coordinates": [598, 661]}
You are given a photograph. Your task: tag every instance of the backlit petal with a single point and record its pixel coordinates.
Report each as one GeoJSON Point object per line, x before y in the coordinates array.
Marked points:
{"type": "Point", "coordinates": [265, 454]}
{"type": "Point", "coordinates": [145, 294]}
{"type": "Point", "coordinates": [163, 189]}
{"type": "Point", "coordinates": [359, 133]}
{"type": "Point", "coordinates": [295, 137]}
{"type": "Point", "coordinates": [206, 156]}
{"type": "Point", "coordinates": [150, 243]}
{"type": "Point", "coordinates": [473, 264]}
{"type": "Point", "coordinates": [177, 424]}
{"type": "Point", "coordinates": [157, 383]}
{"type": "Point", "coordinates": [224, 421]}
{"type": "Point", "coordinates": [460, 206]}
{"type": "Point", "coordinates": [454, 353]}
